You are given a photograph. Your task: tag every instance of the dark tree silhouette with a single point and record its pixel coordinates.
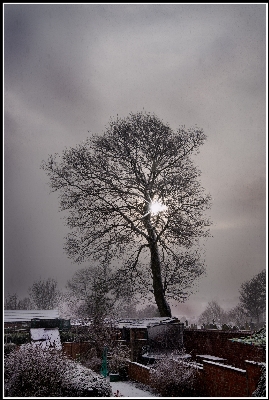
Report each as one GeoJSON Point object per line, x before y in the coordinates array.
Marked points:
{"type": "Point", "coordinates": [44, 294]}
{"type": "Point", "coordinates": [12, 302]}
{"type": "Point", "coordinates": [253, 296]}
{"type": "Point", "coordinates": [88, 290]}
{"type": "Point", "coordinates": [134, 201]}
{"type": "Point", "coordinates": [213, 314]}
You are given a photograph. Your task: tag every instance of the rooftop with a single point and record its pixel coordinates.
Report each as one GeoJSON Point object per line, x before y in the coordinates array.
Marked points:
{"type": "Point", "coordinates": [28, 315]}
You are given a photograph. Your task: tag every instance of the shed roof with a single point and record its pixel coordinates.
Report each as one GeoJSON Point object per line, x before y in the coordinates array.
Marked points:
{"type": "Point", "coordinates": [144, 322]}
{"type": "Point", "coordinates": [27, 315]}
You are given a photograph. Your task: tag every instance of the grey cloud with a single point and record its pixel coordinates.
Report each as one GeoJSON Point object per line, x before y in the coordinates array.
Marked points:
{"type": "Point", "coordinates": [69, 67]}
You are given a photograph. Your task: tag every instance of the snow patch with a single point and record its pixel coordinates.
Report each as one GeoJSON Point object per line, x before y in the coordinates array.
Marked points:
{"type": "Point", "coordinates": [225, 366]}
{"type": "Point", "coordinates": [46, 338]}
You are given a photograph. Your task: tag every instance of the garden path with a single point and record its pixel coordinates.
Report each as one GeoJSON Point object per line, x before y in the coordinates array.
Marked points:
{"type": "Point", "coordinates": [129, 389]}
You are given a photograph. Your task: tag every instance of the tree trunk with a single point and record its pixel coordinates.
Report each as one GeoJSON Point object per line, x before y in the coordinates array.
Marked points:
{"type": "Point", "coordinates": [163, 306]}
{"type": "Point", "coordinates": [155, 264]}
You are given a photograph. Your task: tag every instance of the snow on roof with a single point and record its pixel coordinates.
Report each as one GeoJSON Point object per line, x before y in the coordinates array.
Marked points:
{"type": "Point", "coordinates": [45, 337]}
{"type": "Point", "coordinates": [145, 322]}
{"type": "Point", "coordinates": [27, 315]}
{"type": "Point", "coordinates": [209, 357]}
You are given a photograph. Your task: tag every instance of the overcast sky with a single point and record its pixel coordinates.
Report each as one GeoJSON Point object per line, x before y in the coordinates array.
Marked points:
{"type": "Point", "coordinates": [68, 68]}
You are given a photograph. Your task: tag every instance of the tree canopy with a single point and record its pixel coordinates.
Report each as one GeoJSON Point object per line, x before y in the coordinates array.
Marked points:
{"type": "Point", "coordinates": [253, 296]}
{"type": "Point", "coordinates": [44, 294]}
{"type": "Point", "coordinates": [134, 201]}
{"type": "Point", "coordinates": [213, 314]}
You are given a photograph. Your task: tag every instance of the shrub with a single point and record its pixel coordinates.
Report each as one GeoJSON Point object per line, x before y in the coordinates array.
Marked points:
{"type": "Point", "coordinates": [90, 360]}
{"type": "Point", "coordinates": [67, 336]}
{"type": "Point", "coordinates": [34, 372]}
{"type": "Point", "coordinates": [82, 382]}
{"type": "Point", "coordinates": [9, 347]}
{"type": "Point", "coordinates": [261, 388]}
{"type": "Point", "coordinates": [119, 358]}
{"type": "Point", "coordinates": [173, 378]}
{"type": "Point", "coordinates": [17, 337]}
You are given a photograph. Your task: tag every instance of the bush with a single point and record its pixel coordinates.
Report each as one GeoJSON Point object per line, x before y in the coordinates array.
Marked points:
{"type": "Point", "coordinates": [119, 358]}
{"type": "Point", "coordinates": [34, 372]}
{"type": "Point", "coordinates": [67, 336]}
{"type": "Point", "coordinates": [174, 378]}
{"type": "Point", "coordinates": [9, 347]}
{"type": "Point", "coordinates": [226, 327]}
{"type": "Point", "coordinates": [90, 360]}
{"type": "Point", "coordinates": [17, 337]}
{"type": "Point", "coordinates": [261, 388]}
{"type": "Point", "coordinates": [82, 382]}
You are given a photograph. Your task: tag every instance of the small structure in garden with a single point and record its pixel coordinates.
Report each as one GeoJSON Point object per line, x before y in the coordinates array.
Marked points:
{"type": "Point", "coordinates": [165, 340]}
{"type": "Point", "coordinates": [152, 338]}
{"type": "Point", "coordinates": [39, 326]}
{"type": "Point", "coordinates": [166, 336]}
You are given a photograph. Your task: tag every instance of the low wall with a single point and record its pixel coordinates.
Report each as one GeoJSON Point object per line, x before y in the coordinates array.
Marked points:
{"type": "Point", "coordinates": [138, 372]}
{"type": "Point", "coordinates": [253, 374]}
{"type": "Point", "coordinates": [217, 343]}
{"type": "Point", "coordinates": [224, 380]}
{"type": "Point", "coordinates": [214, 379]}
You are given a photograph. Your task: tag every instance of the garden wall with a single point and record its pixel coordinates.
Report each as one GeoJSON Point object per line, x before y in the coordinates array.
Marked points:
{"type": "Point", "coordinates": [214, 380]}
{"type": "Point", "coordinates": [253, 374]}
{"type": "Point", "coordinates": [139, 372]}
{"type": "Point", "coordinates": [217, 343]}
{"type": "Point", "coordinates": [224, 380]}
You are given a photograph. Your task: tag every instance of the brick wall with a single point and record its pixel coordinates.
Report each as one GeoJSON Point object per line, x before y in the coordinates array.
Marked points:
{"type": "Point", "coordinates": [138, 372]}
{"type": "Point", "coordinates": [224, 380]}
{"type": "Point", "coordinates": [214, 380]}
{"type": "Point", "coordinates": [216, 343]}
{"type": "Point", "coordinates": [253, 375]}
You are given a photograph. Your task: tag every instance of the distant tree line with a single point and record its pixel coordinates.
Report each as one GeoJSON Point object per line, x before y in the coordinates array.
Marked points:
{"type": "Point", "coordinates": [89, 294]}
{"type": "Point", "coordinates": [251, 306]}
{"type": "Point", "coordinates": [43, 295]}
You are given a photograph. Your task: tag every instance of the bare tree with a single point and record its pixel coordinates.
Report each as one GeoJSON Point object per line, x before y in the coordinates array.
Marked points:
{"type": "Point", "coordinates": [44, 294]}
{"type": "Point", "coordinates": [213, 314]}
{"type": "Point", "coordinates": [89, 293]}
{"type": "Point", "coordinates": [253, 296]}
{"type": "Point", "coordinates": [11, 302]}
{"type": "Point", "coordinates": [237, 316]}
{"type": "Point", "coordinates": [134, 201]}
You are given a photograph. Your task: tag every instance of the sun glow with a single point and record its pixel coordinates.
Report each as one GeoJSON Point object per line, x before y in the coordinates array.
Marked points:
{"type": "Point", "coordinates": [156, 206]}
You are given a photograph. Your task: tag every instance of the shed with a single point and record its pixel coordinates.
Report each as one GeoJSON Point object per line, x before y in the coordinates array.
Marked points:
{"type": "Point", "coordinates": [19, 319]}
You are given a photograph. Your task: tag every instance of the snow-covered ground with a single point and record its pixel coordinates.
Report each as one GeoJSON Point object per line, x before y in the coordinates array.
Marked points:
{"type": "Point", "coordinates": [129, 389]}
